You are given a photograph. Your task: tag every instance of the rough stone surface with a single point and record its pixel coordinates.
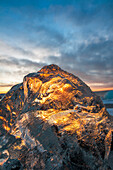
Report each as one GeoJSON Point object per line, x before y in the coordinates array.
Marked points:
{"type": "Point", "coordinates": [54, 121]}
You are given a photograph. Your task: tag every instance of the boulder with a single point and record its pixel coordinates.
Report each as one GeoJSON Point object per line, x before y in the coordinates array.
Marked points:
{"type": "Point", "coordinates": [54, 121]}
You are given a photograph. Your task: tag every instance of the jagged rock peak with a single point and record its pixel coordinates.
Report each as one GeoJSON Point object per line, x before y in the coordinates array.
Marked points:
{"type": "Point", "coordinates": [50, 68]}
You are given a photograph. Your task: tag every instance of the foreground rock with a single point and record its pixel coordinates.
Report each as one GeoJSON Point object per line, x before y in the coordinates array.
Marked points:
{"type": "Point", "coordinates": [54, 121]}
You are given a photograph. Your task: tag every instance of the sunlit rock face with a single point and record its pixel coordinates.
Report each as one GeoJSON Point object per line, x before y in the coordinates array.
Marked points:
{"type": "Point", "coordinates": [54, 121]}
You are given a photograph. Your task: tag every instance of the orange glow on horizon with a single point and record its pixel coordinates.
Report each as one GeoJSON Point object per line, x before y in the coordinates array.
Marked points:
{"type": "Point", "coordinates": [5, 89]}
{"type": "Point", "coordinates": [102, 89]}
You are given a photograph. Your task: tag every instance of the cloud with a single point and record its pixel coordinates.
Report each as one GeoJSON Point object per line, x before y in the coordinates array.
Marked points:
{"type": "Point", "coordinates": [91, 62]}
{"type": "Point", "coordinates": [13, 70]}
{"type": "Point", "coordinates": [6, 85]}
{"type": "Point", "coordinates": [11, 62]}
{"type": "Point", "coordinates": [33, 52]}
{"type": "Point", "coordinates": [6, 48]}
{"type": "Point", "coordinates": [97, 55]}
{"type": "Point", "coordinates": [77, 36]}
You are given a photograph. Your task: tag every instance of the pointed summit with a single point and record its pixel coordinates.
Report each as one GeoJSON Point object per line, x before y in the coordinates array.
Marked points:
{"type": "Point", "coordinates": [50, 68]}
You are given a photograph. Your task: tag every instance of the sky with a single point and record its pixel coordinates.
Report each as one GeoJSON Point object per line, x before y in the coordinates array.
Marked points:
{"type": "Point", "coordinates": [77, 35]}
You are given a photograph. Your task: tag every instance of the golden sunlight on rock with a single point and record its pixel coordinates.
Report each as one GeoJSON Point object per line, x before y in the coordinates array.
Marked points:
{"type": "Point", "coordinates": [3, 160]}
{"type": "Point", "coordinates": [54, 121]}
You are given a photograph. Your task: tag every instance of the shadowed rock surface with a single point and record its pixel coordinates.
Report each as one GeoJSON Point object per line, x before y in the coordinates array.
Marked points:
{"type": "Point", "coordinates": [54, 121]}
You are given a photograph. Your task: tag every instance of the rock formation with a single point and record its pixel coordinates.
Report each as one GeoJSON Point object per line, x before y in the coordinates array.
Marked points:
{"type": "Point", "coordinates": [53, 121]}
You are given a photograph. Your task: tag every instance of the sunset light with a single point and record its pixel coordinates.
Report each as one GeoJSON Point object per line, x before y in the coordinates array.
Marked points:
{"type": "Point", "coordinates": [56, 84]}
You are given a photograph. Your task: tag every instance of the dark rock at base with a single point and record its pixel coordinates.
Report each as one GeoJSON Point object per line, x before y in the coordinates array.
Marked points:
{"type": "Point", "coordinates": [12, 164]}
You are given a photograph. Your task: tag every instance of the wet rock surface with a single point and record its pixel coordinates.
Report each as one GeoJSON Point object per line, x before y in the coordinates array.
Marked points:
{"type": "Point", "coordinates": [54, 121]}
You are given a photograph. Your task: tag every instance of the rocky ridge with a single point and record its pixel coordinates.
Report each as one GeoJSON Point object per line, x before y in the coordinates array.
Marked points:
{"type": "Point", "coordinates": [54, 121]}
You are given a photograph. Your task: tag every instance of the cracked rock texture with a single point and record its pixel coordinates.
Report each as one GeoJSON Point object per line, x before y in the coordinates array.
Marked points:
{"type": "Point", "coordinates": [54, 121]}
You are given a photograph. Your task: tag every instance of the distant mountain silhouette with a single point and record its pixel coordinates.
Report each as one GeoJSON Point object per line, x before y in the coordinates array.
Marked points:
{"type": "Point", "coordinates": [52, 120]}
